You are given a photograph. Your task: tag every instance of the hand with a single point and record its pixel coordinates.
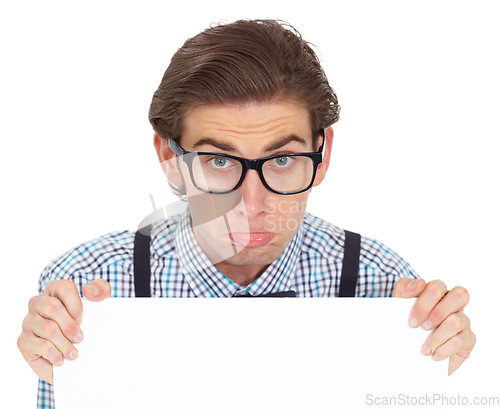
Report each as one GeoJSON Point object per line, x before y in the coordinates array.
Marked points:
{"type": "Point", "coordinates": [442, 311]}
{"type": "Point", "coordinates": [52, 325]}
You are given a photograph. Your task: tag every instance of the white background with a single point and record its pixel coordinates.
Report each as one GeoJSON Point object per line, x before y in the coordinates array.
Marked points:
{"type": "Point", "coordinates": [415, 161]}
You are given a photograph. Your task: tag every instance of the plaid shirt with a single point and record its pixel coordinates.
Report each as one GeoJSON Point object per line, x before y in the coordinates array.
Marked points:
{"type": "Point", "coordinates": [310, 265]}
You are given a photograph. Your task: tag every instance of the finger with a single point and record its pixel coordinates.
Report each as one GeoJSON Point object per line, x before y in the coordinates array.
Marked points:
{"type": "Point", "coordinates": [426, 301]}
{"type": "Point", "coordinates": [53, 309]}
{"type": "Point", "coordinates": [457, 359]}
{"type": "Point", "coordinates": [40, 355]}
{"type": "Point", "coordinates": [450, 347]}
{"type": "Point", "coordinates": [67, 293]}
{"type": "Point", "coordinates": [97, 290]}
{"type": "Point", "coordinates": [453, 301]}
{"type": "Point", "coordinates": [33, 348]}
{"type": "Point", "coordinates": [43, 369]}
{"type": "Point", "coordinates": [408, 287]}
{"type": "Point", "coordinates": [50, 331]}
{"type": "Point", "coordinates": [451, 326]}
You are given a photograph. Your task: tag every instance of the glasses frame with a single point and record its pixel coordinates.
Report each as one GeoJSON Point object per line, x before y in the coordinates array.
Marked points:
{"type": "Point", "coordinates": [247, 164]}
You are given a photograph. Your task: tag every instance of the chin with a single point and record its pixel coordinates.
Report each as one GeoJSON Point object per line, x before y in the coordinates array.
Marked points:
{"type": "Point", "coordinates": [264, 255]}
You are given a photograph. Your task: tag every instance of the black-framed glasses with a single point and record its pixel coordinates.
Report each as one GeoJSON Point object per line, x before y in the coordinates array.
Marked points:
{"type": "Point", "coordinates": [218, 173]}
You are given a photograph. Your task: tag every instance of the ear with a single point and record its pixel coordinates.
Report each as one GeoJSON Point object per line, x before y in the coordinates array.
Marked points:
{"type": "Point", "coordinates": [167, 160]}
{"type": "Point", "coordinates": [327, 151]}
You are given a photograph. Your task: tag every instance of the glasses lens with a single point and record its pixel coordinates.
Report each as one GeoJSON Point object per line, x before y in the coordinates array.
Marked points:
{"type": "Point", "coordinates": [216, 173]}
{"type": "Point", "coordinates": [288, 174]}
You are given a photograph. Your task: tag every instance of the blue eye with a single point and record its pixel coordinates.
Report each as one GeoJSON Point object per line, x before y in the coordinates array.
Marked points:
{"type": "Point", "coordinates": [282, 161]}
{"type": "Point", "coordinates": [219, 163]}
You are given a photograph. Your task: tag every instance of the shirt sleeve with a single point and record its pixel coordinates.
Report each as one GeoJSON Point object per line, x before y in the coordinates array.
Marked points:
{"type": "Point", "coordinates": [45, 399]}
{"type": "Point", "coordinates": [380, 268]}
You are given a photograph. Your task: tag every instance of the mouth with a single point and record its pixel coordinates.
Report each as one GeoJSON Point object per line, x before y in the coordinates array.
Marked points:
{"type": "Point", "coordinates": [251, 240]}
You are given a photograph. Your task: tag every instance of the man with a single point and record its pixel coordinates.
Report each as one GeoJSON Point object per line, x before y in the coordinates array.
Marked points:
{"type": "Point", "coordinates": [242, 122]}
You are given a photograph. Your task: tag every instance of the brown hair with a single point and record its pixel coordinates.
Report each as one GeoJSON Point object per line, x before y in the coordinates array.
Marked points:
{"type": "Point", "coordinates": [245, 61]}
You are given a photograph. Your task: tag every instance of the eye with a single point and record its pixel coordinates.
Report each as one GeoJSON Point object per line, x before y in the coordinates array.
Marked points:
{"type": "Point", "coordinates": [282, 161]}
{"type": "Point", "coordinates": [219, 162]}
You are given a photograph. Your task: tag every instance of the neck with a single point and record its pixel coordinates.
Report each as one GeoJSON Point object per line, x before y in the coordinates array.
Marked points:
{"type": "Point", "coordinates": [240, 274]}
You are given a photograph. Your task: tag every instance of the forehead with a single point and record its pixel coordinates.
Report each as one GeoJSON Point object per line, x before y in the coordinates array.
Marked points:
{"type": "Point", "coordinates": [246, 124]}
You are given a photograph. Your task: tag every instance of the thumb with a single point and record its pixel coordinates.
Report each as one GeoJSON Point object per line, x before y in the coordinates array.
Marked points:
{"type": "Point", "coordinates": [97, 290]}
{"type": "Point", "coordinates": [408, 287]}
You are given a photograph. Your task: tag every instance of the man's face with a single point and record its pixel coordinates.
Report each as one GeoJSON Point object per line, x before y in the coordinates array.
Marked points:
{"type": "Point", "coordinates": [260, 224]}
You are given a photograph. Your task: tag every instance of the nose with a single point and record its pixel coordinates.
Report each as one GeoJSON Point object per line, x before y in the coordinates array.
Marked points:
{"type": "Point", "coordinates": [254, 195]}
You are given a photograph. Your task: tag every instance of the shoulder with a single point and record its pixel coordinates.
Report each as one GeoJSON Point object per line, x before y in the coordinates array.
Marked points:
{"type": "Point", "coordinates": [379, 257]}
{"type": "Point", "coordinates": [107, 255]}
{"type": "Point", "coordinates": [90, 256]}
{"type": "Point", "coordinates": [163, 236]}
{"type": "Point", "coordinates": [322, 238]}
{"type": "Point", "coordinates": [327, 240]}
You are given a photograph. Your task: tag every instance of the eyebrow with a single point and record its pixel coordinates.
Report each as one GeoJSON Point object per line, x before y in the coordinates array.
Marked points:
{"type": "Point", "coordinates": [220, 145]}
{"type": "Point", "coordinates": [271, 147]}
{"type": "Point", "coordinates": [285, 141]}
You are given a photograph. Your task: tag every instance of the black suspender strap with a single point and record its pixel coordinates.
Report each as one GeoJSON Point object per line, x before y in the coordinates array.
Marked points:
{"type": "Point", "coordinates": [142, 262]}
{"type": "Point", "coordinates": [350, 265]}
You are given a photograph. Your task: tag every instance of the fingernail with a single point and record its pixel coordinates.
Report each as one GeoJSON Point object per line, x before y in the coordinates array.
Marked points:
{"type": "Point", "coordinates": [426, 350]}
{"type": "Point", "coordinates": [79, 337]}
{"type": "Point", "coordinates": [436, 358]}
{"type": "Point", "coordinates": [413, 322]}
{"type": "Point", "coordinates": [413, 284]}
{"type": "Point", "coordinates": [59, 363]}
{"type": "Point", "coordinates": [427, 325]}
{"type": "Point", "coordinates": [79, 320]}
{"type": "Point", "coordinates": [73, 354]}
{"type": "Point", "coordinates": [93, 289]}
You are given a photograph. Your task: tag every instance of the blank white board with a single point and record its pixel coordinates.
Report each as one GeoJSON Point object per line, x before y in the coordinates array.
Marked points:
{"type": "Point", "coordinates": [246, 353]}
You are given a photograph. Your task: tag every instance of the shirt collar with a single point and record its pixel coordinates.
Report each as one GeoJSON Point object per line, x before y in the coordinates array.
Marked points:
{"type": "Point", "coordinates": [206, 281]}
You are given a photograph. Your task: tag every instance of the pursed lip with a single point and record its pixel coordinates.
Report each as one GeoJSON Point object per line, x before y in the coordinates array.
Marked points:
{"type": "Point", "coordinates": [251, 240]}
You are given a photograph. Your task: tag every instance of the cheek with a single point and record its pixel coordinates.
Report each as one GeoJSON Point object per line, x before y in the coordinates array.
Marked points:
{"type": "Point", "coordinates": [171, 169]}
{"type": "Point", "coordinates": [286, 214]}
{"type": "Point", "coordinates": [191, 189]}
{"type": "Point", "coordinates": [292, 206]}
{"type": "Point", "coordinates": [184, 171]}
